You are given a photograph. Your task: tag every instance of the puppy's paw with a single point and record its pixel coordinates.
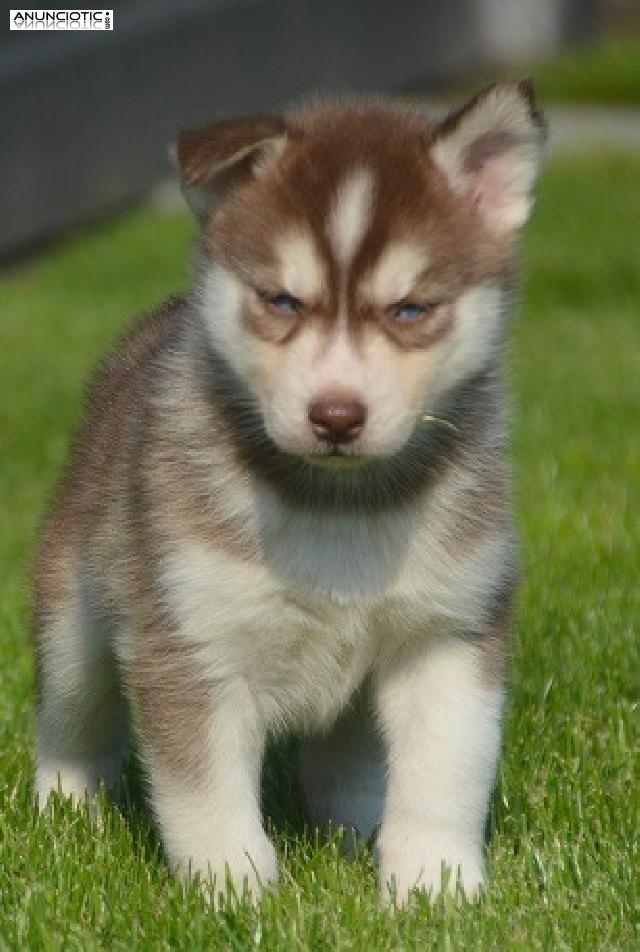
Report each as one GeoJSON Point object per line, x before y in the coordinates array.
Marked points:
{"type": "Point", "coordinates": [427, 860]}
{"type": "Point", "coordinates": [78, 779]}
{"type": "Point", "coordinates": [230, 868]}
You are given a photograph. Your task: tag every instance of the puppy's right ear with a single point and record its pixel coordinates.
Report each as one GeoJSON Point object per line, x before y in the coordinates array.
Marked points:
{"type": "Point", "coordinates": [220, 155]}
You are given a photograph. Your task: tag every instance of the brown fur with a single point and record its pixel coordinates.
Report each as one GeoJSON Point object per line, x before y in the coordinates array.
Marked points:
{"type": "Point", "coordinates": [415, 204]}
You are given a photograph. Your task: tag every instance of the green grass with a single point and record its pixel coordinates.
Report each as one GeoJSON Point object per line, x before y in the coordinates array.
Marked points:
{"type": "Point", "coordinates": [563, 854]}
{"type": "Point", "coordinates": [606, 72]}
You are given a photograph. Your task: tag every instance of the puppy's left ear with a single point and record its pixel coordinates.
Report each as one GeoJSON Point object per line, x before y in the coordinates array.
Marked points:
{"type": "Point", "coordinates": [491, 151]}
{"type": "Point", "coordinates": [217, 157]}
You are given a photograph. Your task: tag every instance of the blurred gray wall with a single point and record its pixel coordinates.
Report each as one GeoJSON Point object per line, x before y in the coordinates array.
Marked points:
{"type": "Point", "coordinates": [87, 117]}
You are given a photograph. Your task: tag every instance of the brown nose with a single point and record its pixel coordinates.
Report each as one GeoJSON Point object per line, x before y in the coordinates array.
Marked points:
{"type": "Point", "coordinates": [337, 419]}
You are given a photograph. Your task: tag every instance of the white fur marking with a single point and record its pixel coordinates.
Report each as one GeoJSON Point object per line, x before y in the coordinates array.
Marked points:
{"type": "Point", "coordinates": [395, 273]}
{"type": "Point", "coordinates": [302, 269]}
{"type": "Point", "coordinates": [476, 331]}
{"type": "Point", "coordinates": [350, 214]}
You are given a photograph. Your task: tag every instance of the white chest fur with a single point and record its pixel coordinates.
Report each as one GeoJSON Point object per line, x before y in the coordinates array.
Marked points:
{"type": "Point", "coordinates": [331, 594]}
{"type": "Point", "coordinates": [302, 654]}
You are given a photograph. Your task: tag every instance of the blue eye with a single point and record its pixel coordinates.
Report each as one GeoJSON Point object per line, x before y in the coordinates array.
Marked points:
{"type": "Point", "coordinates": [285, 302]}
{"type": "Point", "coordinates": [408, 311]}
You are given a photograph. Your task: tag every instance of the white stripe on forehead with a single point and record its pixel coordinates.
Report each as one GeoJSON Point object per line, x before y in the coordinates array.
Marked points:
{"type": "Point", "coordinates": [350, 214]}
{"type": "Point", "coordinates": [392, 277]}
{"type": "Point", "coordinates": [300, 264]}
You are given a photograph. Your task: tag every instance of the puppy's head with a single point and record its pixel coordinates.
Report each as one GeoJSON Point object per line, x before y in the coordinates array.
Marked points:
{"type": "Point", "coordinates": [354, 259]}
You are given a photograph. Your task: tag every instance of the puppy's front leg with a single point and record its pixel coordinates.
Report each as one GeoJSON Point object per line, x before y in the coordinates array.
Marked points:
{"type": "Point", "coordinates": [203, 745]}
{"type": "Point", "coordinates": [440, 711]}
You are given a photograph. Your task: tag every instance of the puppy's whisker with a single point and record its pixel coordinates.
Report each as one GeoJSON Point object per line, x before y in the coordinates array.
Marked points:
{"type": "Point", "coordinates": [429, 418]}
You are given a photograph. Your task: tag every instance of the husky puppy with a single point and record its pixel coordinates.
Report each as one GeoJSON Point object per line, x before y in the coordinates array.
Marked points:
{"type": "Point", "coordinates": [287, 506]}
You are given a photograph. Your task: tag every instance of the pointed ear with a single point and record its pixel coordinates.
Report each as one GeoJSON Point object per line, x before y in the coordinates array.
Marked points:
{"type": "Point", "coordinates": [491, 150]}
{"type": "Point", "coordinates": [214, 158]}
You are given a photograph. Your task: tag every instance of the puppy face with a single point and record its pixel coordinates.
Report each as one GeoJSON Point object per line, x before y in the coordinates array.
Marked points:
{"type": "Point", "coordinates": [355, 260]}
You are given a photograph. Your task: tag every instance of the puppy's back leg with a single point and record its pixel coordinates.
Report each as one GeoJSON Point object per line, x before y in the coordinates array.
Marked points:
{"type": "Point", "coordinates": [342, 773]}
{"type": "Point", "coordinates": [82, 717]}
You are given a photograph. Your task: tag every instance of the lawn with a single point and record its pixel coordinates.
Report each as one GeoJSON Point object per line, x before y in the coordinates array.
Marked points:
{"type": "Point", "coordinates": [563, 853]}
{"type": "Point", "coordinates": [603, 72]}
{"type": "Point", "coordinates": [606, 71]}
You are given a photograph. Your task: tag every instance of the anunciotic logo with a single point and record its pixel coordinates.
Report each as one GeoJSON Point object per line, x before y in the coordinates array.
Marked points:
{"type": "Point", "coordinates": [61, 20]}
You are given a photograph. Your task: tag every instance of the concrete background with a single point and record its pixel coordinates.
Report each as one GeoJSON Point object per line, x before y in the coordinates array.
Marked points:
{"type": "Point", "coordinates": [87, 117]}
